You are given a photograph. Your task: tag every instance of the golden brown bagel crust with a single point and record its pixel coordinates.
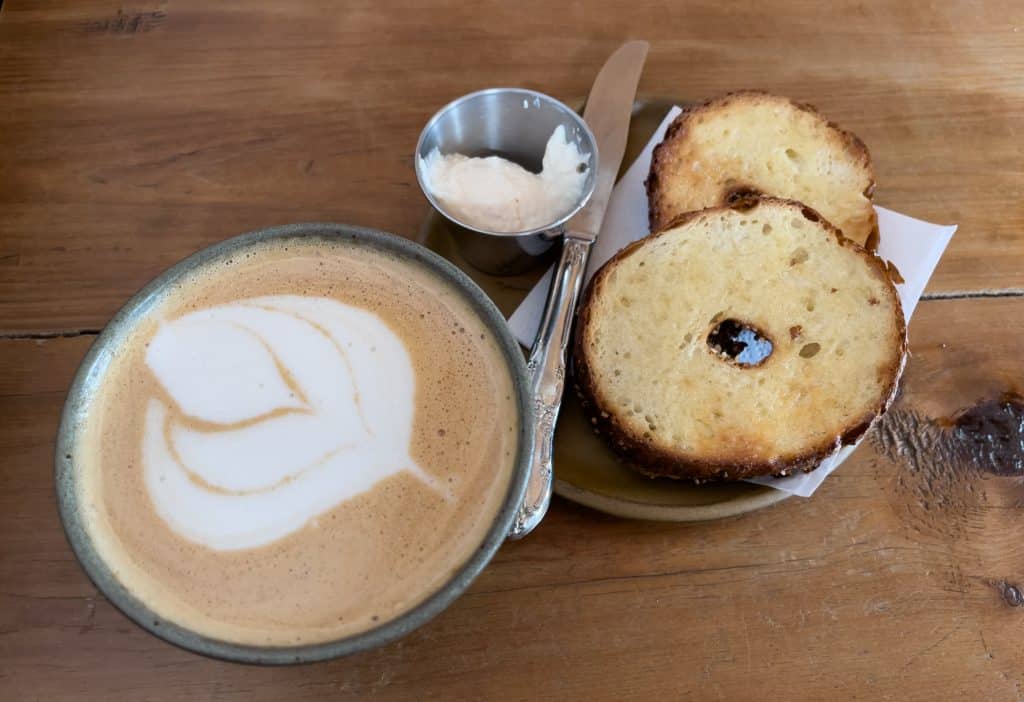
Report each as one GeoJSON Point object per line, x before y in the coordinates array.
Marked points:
{"type": "Point", "coordinates": [671, 156]}
{"type": "Point", "coordinates": [650, 458]}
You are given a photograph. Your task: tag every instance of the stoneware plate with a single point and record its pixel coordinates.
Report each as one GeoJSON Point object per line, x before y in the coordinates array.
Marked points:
{"type": "Point", "coordinates": [585, 470]}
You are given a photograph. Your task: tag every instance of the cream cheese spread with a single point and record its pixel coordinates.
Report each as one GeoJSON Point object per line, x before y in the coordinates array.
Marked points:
{"type": "Point", "coordinates": [494, 194]}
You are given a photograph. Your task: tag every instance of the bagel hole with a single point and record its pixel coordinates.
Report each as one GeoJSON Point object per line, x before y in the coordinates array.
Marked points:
{"type": "Point", "coordinates": [740, 343]}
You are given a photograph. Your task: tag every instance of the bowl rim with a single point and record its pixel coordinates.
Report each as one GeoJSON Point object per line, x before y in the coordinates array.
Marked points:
{"type": "Point", "coordinates": [96, 361]}
{"type": "Point", "coordinates": [554, 226]}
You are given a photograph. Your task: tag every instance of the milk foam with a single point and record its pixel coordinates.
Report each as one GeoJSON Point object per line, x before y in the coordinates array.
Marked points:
{"type": "Point", "coordinates": [247, 364]}
{"type": "Point", "coordinates": [282, 407]}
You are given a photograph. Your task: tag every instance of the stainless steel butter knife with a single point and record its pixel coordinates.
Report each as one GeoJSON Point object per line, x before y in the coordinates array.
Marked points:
{"type": "Point", "coordinates": [607, 113]}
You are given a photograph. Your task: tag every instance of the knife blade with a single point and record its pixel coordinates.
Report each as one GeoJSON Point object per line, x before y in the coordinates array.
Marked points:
{"type": "Point", "coordinates": [607, 113]}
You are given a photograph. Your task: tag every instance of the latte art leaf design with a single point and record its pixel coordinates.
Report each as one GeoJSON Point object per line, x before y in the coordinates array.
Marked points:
{"type": "Point", "coordinates": [277, 409]}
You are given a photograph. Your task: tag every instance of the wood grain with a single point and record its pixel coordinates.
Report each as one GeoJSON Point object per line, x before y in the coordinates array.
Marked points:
{"type": "Point", "coordinates": [133, 134]}
{"type": "Point", "coordinates": [900, 579]}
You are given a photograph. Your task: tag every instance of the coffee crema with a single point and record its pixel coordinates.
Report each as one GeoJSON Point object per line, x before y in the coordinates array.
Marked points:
{"type": "Point", "coordinates": [298, 444]}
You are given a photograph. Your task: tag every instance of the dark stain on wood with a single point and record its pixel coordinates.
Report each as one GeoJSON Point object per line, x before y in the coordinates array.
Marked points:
{"type": "Point", "coordinates": [942, 462]}
{"type": "Point", "coordinates": [935, 483]}
{"type": "Point", "coordinates": [128, 22]}
{"type": "Point", "coordinates": [991, 434]}
{"type": "Point", "coordinates": [1010, 592]}
{"type": "Point", "coordinates": [988, 436]}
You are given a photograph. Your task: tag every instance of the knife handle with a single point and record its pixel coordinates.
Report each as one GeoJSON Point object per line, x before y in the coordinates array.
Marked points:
{"type": "Point", "coordinates": [546, 367]}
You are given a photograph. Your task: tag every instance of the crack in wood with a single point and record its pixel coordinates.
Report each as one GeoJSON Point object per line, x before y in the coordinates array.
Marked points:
{"type": "Point", "coordinates": [972, 294]}
{"type": "Point", "coordinates": [769, 566]}
{"type": "Point", "coordinates": [90, 331]}
{"type": "Point", "coordinates": [128, 22]}
{"type": "Point", "coordinates": [48, 334]}
{"type": "Point", "coordinates": [930, 648]}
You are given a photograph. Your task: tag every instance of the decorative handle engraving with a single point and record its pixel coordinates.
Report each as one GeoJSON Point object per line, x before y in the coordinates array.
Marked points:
{"type": "Point", "coordinates": [546, 366]}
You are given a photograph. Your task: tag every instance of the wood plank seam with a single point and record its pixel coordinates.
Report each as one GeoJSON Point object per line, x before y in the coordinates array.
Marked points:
{"type": "Point", "coordinates": [16, 334]}
{"type": "Point", "coordinates": [969, 294]}
{"type": "Point", "coordinates": [49, 334]}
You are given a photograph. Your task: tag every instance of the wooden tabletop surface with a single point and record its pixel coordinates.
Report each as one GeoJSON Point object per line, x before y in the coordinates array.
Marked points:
{"type": "Point", "coordinates": [131, 135]}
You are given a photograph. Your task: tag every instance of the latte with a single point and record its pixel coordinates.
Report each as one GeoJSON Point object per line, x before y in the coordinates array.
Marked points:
{"type": "Point", "coordinates": [298, 444]}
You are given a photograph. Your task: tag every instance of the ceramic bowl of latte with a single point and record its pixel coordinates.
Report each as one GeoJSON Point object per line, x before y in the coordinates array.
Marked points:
{"type": "Point", "coordinates": [300, 443]}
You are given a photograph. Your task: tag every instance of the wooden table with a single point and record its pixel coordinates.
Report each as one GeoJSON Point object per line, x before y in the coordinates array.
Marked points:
{"type": "Point", "coordinates": [131, 135]}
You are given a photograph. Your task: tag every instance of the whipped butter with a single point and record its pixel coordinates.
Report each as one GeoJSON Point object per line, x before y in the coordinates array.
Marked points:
{"type": "Point", "coordinates": [497, 195]}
